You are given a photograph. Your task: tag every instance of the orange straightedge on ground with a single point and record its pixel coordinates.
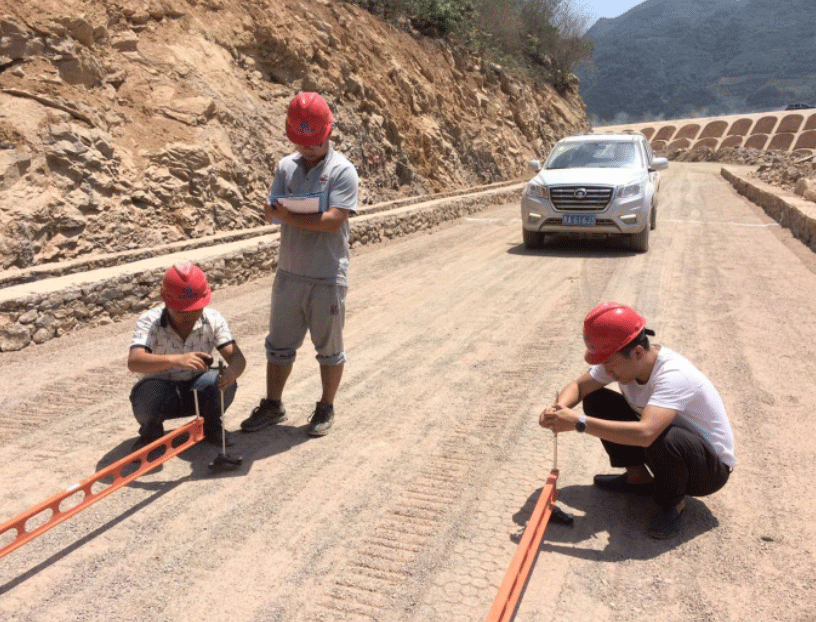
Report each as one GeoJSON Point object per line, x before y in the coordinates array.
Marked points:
{"type": "Point", "coordinates": [195, 433]}
{"type": "Point", "coordinates": [504, 606]}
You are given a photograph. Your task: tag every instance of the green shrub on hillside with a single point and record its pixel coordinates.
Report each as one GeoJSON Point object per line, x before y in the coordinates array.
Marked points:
{"type": "Point", "coordinates": [546, 36]}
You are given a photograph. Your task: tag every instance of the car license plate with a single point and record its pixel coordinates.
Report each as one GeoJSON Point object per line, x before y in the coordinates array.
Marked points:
{"type": "Point", "coordinates": [579, 220]}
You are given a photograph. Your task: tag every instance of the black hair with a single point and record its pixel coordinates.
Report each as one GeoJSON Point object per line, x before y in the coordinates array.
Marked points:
{"type": "Point", "coordinates": [641, 340]}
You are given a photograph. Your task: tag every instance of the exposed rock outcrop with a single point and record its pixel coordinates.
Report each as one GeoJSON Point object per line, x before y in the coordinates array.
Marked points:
{"type": "Point", "coordinates": [138, 124]}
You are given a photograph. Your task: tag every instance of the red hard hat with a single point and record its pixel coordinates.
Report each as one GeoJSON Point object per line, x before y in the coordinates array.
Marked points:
{"type": "Point", "coordinates": [185, 288]}
{"type": "Point", "coordinates": [309, 120]}
{"type": "Point", "coordinates": [608, 328]}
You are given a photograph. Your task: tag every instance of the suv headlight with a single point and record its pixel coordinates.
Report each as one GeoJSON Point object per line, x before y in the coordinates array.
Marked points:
{"type": "Point", "coordinates": [632, 190]}
{"type": "Point", "coordinates": [540, 192]}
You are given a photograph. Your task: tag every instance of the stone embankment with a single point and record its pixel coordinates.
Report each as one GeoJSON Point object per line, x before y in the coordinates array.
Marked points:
{"type": "Point", "coordinates": [47, 302]}
{"type": "Point", "coordinates": [787, 171]}
{"type": "Point", "coordinates": [792, 212]}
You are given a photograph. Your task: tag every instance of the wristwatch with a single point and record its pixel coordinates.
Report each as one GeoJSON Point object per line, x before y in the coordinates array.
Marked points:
{"type": "Point", "coordinates": [580, 425]}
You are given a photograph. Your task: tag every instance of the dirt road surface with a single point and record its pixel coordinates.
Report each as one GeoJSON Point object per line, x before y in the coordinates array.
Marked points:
{"type": "Point", "coordinates": [410, 509]}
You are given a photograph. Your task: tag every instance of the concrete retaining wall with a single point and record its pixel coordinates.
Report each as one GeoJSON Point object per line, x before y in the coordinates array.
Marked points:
{"type": "Point", "coordinates": [35, 313]}
{"type": "Point", "coordinates": [792, 212]}
{"type": "Point", "coordinates": [777, 130]}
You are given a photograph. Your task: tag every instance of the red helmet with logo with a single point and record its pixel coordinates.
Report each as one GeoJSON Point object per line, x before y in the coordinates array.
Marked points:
{"type": "Point", "coordinates": [185, 288]}
{"type": "Point", "coordinates": [309, 120]}
{"type": "Point", "coordinates": [608, 328]}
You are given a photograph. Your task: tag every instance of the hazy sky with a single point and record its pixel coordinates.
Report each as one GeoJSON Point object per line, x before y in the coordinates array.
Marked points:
{"type": "Point", "coordinates": [606, 8]}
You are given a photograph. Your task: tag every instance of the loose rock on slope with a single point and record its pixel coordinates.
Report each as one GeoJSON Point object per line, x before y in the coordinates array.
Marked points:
{"type": "Point", "coordinates": [123, 126]}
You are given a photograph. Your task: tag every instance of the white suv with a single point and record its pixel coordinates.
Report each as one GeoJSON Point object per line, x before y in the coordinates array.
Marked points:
{"type": "Point", "coordinates": [594, 185]}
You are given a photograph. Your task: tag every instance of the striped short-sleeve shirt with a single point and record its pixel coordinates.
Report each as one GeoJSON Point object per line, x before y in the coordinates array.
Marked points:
{"type": "Point", "coordinates": [155, 334]}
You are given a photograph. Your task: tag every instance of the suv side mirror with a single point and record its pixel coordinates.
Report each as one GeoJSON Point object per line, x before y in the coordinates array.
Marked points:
{"type": "Point", "coordinates": [659, 164]}
{"type": "Point", "coordinates": [534, 165]}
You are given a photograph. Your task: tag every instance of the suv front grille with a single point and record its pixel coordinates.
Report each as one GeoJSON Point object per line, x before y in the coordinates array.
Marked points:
{"type": "Point", "coordinates": [580, 198]}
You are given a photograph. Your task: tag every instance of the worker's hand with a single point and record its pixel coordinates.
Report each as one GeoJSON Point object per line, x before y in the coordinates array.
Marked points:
{"type": "Point", "coordinates": [198, 361]}
{"type": "Point", "coordinates": [275, 211]}
{"type": "Point", "coordinates": [226, 378]}
{"type": "Point", "coordinates": [558, 418]}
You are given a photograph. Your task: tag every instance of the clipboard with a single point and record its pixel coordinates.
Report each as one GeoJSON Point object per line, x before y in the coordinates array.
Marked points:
{"type": "Point", "coordinates": [308, 203]}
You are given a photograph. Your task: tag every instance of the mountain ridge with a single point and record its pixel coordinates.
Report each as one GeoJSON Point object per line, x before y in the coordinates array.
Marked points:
{"type": "Point", "coordinates": [687, 58]}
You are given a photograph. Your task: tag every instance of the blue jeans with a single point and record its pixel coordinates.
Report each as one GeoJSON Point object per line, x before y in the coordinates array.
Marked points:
{"type": "Point", "coordinates": [155, 400]}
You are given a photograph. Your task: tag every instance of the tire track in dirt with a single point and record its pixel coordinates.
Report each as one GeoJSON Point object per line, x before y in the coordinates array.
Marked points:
{"type": "Point", "coordinates": [39, 408]}
{"type": "Point", "coordinates": [410, 509]}
{"type": "Point", "coordinates": [431, 505]}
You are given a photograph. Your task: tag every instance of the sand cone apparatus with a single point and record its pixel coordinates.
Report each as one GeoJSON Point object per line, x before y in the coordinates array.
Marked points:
{"type": "Point", "coordinates": [85, 488]}
{"type": "Point", "coordinates": [223, 461]}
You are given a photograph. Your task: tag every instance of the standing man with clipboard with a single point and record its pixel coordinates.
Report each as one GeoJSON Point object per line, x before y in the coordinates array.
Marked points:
{"type": "Point", "coordinates": [309, 290]}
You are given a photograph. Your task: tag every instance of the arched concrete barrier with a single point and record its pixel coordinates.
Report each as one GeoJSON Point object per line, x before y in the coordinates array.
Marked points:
{"type": "Point", "coordinates": [790, 124]}
{"type": "Point", "coordinates": [680, 143]}
{"type": "Point", "coordinates": [710, 143]}
{"type": "Point", "coordinates": [783, 130]}
{"type": "Point", "coordinates": [756, 141]}
{"type": "Point", "coordinates": [715, 129]}
{"type": "Point", "coordinates": [781, 142]}
{"type": "Point", "coordinates": [689, 131]}
{"type": "Point", "coordinates": [806, 140]}
{"type": "Point", "coordinates": [665, 133]}
{"type": "Point", "coordinates": [740, 127]}
{"type": "Point", "coordinates": [731, 142]}
{"type": "Point", "coordinates": [765, 125]}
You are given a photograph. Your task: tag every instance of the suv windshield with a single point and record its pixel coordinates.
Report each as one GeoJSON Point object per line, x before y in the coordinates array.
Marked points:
{"type": "Point", "coordinates": [594, 155]}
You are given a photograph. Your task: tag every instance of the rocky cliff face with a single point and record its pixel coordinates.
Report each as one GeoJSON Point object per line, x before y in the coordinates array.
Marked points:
{"type": "Point", "coordinates": [141, 123]}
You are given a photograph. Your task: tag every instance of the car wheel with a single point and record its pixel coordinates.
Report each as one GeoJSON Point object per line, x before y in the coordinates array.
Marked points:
{"type": "Point", "coordinates": [653, 218]}
{"type": "Point", "coordinates": [532, 239]}
{"type": "Point", "coordinates": [639, 242]}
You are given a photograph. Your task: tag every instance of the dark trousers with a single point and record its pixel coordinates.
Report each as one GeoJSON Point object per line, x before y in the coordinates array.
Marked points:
{"type": "Point", "coordinates": [155, 400]}
{"type": "Point", "coordinates": [681, 461]}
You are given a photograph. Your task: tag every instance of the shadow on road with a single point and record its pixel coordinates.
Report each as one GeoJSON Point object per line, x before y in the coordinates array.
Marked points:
{"type": "Point", "coordinates": [571, 247]}
{"type": "Point", "coordinates": [251, 447]}
{"type": "Point", "coordinates": [620, 519]}
{"type": "Point", "coordinates": [259, 445]}
{"type": "Point", "coordinates": [162, 488]}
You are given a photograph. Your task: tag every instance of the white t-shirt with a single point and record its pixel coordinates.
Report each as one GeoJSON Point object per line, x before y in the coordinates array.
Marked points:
{"type": "Point", "coordinates": [154, 334]}
{"type": "Point", "coordinates": [678, 385]}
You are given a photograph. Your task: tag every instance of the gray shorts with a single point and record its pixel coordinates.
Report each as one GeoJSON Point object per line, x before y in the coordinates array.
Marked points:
{"type": "Point", "coordinates": [299, 305]}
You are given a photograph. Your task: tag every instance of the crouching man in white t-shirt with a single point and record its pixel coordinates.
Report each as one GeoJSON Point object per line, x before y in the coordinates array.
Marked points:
{"type": "Point", "coordinates": [667, 427]}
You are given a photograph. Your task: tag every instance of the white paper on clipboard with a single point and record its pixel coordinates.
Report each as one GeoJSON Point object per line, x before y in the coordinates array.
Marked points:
{"type": "Point", "coordinates": [307, 203]}
{"type": "Point", "coordinates": [299, 205]}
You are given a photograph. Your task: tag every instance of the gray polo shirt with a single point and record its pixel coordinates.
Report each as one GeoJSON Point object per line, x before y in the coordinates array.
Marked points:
{"type": "Point", "coordinates": [314, 255]}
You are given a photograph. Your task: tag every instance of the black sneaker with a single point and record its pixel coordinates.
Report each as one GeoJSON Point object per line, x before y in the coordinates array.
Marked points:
{"type": "Point", "coordinates": [268, 412]}
{"type": "Point", "coordinates": [215, 438]}
{"type": "Point", "coordinates": [618, 483]}
{"type": "Point", "coordinates": [321, 420]}
{"type": "Point", "coordinates": [666, 524]}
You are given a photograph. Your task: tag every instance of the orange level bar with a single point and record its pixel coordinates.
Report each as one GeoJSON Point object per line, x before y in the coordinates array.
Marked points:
{"type": "Point", "coordinates": [504, 606]}
{"type": "Point", "coordinates": [195, 429]}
